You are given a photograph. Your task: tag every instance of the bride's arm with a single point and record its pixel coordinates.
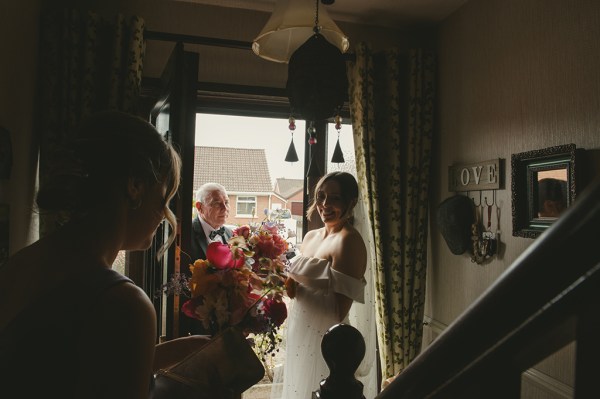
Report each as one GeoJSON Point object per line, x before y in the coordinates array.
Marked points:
{"type": "Point", "coordinates": [307, 250]}
{"type": "Point", "coordinates": [349, 258]}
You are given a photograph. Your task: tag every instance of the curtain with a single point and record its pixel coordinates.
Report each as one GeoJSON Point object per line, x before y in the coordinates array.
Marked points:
{"type": "Point", "coordinates": [87, 63]}
{"type": "Point", "coordinates": [391, 103]}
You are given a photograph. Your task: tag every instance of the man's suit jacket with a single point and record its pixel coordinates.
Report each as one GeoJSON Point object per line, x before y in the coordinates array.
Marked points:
{"type": "Point", "coordinates": [197, 251]}
{"type": "Point", "coordinates": [200, 241]}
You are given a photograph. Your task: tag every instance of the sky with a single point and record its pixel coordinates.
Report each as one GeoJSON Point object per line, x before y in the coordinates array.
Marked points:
{"type": "Point", "coordinates": [271, 134]}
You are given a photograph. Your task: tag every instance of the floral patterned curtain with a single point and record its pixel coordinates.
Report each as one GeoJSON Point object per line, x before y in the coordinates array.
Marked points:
{"type": "Point", "coordinates": [87, 64]}
{"type": "Point", "coordinates": [391, 103]}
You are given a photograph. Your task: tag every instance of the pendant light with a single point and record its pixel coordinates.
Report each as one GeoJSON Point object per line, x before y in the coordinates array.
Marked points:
{"type": "Point", "coordinates": [291, 25]}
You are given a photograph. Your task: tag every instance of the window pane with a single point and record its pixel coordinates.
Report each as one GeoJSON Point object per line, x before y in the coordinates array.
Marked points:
{"type": "Point", "coordinates": [246, 205]}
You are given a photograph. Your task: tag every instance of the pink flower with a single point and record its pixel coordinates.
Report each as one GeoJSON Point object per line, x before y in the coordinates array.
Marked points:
{"type": "Point", "coordinates": [271, 228]}
{"type": "Point", "coordinates": [189, 307]}
{"type": "Point", "coordinates": [269, 246]}
{"type": "Point", "coordinates": [243, 231]}
{"type": "Point", "coordinates": [221, 256]}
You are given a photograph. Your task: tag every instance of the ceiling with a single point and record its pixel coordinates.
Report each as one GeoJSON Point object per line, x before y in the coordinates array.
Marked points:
{"type": "Point", "coordinates": [388, 13]}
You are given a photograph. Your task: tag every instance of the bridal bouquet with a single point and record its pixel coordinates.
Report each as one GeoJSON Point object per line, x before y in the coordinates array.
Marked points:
{"type": "Point", "coordinates": [239, 284]}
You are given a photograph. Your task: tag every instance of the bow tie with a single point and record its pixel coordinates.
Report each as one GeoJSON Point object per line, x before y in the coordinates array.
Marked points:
{"type": "Point", "coordinates": [220, 231]}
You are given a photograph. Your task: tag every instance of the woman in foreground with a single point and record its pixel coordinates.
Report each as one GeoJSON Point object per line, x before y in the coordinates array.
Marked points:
{"type": "Point", "coordinates": [323, 281]}
{"type": "Point", "coordinates": [70, 326]}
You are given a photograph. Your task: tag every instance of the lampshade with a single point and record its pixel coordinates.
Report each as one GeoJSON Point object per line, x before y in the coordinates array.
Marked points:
{"type": "Point", "coordinates": [291, 25]}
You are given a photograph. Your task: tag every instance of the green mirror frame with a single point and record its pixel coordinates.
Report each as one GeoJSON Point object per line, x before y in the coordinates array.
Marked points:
{"type": "Point", "coordinates": [543, 186]}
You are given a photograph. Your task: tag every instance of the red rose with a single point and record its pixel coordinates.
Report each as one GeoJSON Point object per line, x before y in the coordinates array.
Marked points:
{"type": "Point", "coordinates": [276, 310]}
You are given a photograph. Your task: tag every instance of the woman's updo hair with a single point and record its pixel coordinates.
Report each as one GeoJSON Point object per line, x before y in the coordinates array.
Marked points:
{"type": "Point", "coordinates": [109, 147]}
{"type": "Point", "coordinates": [348, 188]}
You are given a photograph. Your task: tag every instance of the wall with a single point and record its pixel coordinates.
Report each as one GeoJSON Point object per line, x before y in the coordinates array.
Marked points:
{"type": "Point", "coordinates": [514, 76]}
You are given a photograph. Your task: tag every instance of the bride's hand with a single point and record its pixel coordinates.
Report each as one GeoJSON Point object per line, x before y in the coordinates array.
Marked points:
{"type": "Point", "coordinates": [290, 287]}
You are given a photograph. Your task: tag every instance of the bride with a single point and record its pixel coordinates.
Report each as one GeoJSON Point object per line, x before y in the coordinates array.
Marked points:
{"type": "Point", "coordinates": [323, 282]}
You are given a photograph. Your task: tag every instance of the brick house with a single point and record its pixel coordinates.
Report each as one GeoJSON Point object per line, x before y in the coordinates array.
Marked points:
{"type": "Point", "coordinates": [244, 173]}
{"type": "Point", "coordinates": [291, 191]}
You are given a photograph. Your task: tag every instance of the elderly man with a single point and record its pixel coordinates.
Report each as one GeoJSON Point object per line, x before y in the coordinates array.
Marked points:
{"type": "Point", "coordinates": [212, 204]}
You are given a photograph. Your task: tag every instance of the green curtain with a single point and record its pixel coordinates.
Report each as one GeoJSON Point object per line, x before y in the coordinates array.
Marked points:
{"type": "Point", "coordinates": [391, 103]}
{"type": "Point", "coordinates": [87, 63]}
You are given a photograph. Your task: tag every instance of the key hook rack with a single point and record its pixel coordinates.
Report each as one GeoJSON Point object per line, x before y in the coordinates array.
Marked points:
{"type": "Point", "coordinates": [480, 181]}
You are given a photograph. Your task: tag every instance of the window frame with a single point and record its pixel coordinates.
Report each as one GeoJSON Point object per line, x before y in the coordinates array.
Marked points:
{"type": "Point", "coordinates": [251, 101]}
{"type": "Point", "coordinates": [238, 201]}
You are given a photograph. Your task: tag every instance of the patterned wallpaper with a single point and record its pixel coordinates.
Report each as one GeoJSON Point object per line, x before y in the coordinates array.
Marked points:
{"type": "Point", "coordinates": [515, 75]}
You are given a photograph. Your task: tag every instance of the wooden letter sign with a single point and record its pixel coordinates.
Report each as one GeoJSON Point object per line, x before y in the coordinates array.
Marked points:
{"type": "Point", "coordinates": [485, 175]}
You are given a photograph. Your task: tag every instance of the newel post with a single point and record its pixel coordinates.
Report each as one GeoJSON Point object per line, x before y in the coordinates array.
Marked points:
{"type": "Point", "coordinates": [343, 348]}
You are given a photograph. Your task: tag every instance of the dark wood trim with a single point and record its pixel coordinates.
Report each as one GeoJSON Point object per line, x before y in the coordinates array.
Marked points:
{"type": "Point", "coordinates": [243, 100]}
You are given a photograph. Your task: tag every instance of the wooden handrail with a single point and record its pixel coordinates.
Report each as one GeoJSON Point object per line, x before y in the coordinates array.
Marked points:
{"type": "Point", "coordinates": [540, 303]}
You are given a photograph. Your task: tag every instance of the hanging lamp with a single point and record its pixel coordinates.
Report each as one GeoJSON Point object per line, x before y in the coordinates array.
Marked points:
{"type": "Point", "coordinates": [291, 25]}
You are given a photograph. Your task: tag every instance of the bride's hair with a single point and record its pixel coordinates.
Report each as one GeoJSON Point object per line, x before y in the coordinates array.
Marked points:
{"type": "Point", "coordinates": [349, 192]}
{"type": "Point", "coordinates": [109, 148]}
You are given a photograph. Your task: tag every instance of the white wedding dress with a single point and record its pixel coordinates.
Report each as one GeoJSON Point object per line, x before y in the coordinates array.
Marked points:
{"type": "Point", "coordinates": [311, 314]}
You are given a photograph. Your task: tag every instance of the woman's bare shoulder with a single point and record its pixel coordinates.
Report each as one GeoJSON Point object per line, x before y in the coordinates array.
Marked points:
{"type": "Point", "coordinates": [312, 234]}
{"type": "Point", "coordinates": [352, 237]}
{"type": "Point", "coordinates": [123, 304]}
{"type": "Point", "coordinates": [129, 297]}
{"type": "Point", "coordinates": [121, 325]}
{"type": "Point", "coordinates": [350, 256]}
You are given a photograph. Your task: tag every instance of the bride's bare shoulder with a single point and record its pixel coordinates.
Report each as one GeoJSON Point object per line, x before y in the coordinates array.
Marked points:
{"type": "Point", "coordinates": [353, 237]}
{"type": "Point", "coordinates": [311, 237]}
{"type": "Point", "coordinates": [312, 234]}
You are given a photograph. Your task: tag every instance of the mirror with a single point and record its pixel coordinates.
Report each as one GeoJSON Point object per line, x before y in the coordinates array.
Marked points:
{"type": "Point", "coordinates": [543, 187]}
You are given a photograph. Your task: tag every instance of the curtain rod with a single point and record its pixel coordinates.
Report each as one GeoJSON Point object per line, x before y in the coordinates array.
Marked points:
{"type": "Point", "coordinates": [210, 41]}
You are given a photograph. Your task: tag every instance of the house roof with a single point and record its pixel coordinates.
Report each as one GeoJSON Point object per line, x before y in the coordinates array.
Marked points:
{"type": "Point", "coordinates": [237, 169]}
{"type": "Point", "coordinates": [288, 187]}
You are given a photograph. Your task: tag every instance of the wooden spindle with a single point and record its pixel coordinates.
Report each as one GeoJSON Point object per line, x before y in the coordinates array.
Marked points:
{"type": "Point", "coordinates": [343, 348]}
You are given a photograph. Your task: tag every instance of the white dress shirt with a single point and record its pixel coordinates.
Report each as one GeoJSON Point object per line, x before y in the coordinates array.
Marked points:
{"type": "Point", "coordinates": [209, 229]}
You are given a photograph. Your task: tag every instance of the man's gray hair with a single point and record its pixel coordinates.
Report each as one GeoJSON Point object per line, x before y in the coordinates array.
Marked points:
{"type": "Point", "coordinates": [206, 189]}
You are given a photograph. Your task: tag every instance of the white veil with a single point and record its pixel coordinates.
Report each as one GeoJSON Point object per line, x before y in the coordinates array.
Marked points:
{"type": "Point", "coordinates": [362, 316]}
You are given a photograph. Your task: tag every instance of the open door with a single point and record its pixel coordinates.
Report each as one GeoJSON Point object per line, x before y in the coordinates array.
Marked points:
{"type": "Point", "coordinates": [174, 115]}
